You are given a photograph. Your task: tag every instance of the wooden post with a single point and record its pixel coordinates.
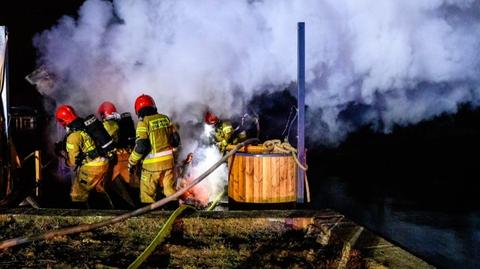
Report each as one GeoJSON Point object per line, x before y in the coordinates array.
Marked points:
{"type": "Point", "coordinates": [38, 171]}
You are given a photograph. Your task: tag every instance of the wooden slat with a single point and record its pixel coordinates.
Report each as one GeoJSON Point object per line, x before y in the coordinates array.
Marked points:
{"type": "Point", "coordinates": [293, 174]}
{"type": "Point", "coordinates": [271, 179]}
{"type": "Point", "coordinates": [257, 180]}
{"type": "Point", "coordinates": [231, 178]}
{"type": "Point", "coordinates": [274, 179]}
{"type": "Point", "coordinates": [248, 180]}
{"type": "Point", "coordinates": [277, 178]}
{"type": "Point", "coordinates": [246, 184]}
{"type": "Point", "coordinates": [289, 179]}
{"type": "Point", "coordinates": [293, 180]}
{"type": "Point", "coordinates": [283, 178]}
{"type": "Point", "coordinates": [265, 180]}
{"type": "Point", "coordinates": [241, 178]}
{"type": "Point", "coordinates": [236, 178]}
{"type": "Point", "coordinates": [252, 178]}
{"type": "Point", "coordinates": [234, 181]}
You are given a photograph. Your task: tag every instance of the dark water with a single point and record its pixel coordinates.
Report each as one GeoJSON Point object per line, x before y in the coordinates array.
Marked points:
{"type": "Point", "coordinates": [417, 186]}
{"type": "Point", "coordinates": [444, 233]}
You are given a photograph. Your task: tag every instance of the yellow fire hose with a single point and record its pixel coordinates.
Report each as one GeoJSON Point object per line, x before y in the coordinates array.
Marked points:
{"type": "Point", "coordinates": [165, 231]}
{"type": "Point", "coordinates": [159, 238]}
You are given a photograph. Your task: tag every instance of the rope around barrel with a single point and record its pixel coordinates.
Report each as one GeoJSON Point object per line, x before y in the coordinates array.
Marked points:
{"type": "Point", "coordinates": [276, 146]}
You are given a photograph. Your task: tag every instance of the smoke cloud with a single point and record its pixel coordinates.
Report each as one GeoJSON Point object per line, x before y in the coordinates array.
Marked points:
{"type": "Point", "coordinates": [368, 62]}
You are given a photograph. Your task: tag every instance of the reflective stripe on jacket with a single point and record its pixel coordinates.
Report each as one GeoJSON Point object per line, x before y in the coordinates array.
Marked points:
{"type": "Point", "coordinates": [158, 157]}
{"type": "Point", "coordinates": [158, 130]}
{"type": "Point", "coordinates": [99, 161]}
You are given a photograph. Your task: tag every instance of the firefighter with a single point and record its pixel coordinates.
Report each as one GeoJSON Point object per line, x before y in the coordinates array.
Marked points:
{"type": "Point", "coordinates": [110, 117]}
{"type": "Point", "coordinates": [90, 167]}
{"type": "Point", "coordinates": [156, 138]}
{"type": "Point", "coordinates": [111, 122]}
{"type": "Point", "coordinates": [224, 133]}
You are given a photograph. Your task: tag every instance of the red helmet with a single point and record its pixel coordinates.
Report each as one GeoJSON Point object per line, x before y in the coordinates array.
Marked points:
{"type": "Point", "coordinates": [106, 109]}
{"type": "Point", "coordinates": [65, 115]}
{"type": "Point", "coordinates": [211, 118]}
{"type": "Point", "coordinates": [143, 101]}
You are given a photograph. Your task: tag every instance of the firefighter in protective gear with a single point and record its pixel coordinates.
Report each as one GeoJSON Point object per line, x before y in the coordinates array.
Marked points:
{"type": "Point", "coordinates": [91, 168]}
{"type": "Point", "coordinates": [110, 119]}
{"type": "Point", "coordinates": [224, 134]}
{"type": "Point", "coordinates": [155, 139]}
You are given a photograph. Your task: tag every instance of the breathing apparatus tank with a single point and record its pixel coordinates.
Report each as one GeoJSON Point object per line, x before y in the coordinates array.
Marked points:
{"type": "Point", "coordinates": [99, 135]}
{"type": "Point", "coordinates": [127, 134]}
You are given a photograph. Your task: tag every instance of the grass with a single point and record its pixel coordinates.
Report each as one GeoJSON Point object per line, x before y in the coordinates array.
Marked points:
{"type": "Point", "coordinates": [195, 242]}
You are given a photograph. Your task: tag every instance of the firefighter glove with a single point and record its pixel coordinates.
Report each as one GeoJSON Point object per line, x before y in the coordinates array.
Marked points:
{"type": "Point", "coordinates": [79, 159]}
{"type": "Point", "coordinates": [131, 168]}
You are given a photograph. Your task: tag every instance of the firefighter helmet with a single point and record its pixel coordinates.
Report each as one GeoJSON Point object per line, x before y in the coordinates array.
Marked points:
{"type": "Point", "coordinates": [211, 118]}
{"type": "Point", "coordinates": [143, 101]}
{"type": "Point", "coordinates": [106, 109]}
{"type": "Point", "coordinates": [65, 115]}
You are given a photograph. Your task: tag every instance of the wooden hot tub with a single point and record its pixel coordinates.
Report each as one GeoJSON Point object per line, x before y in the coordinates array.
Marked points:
{"type": "Point", "coordinates": [258, 177]}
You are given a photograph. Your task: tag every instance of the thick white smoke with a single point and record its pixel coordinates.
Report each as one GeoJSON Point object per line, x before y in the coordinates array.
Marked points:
{"type": "Point", "coordinates": [368, 62]}
{"type": "Point", "coordinates": [204, 156]}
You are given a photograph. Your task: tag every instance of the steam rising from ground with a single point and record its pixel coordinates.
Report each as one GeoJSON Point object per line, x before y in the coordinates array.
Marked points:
{"type": "Point", "coordinates": [205, 155]}
{"type": "Point", "coordinates": [215, 182]}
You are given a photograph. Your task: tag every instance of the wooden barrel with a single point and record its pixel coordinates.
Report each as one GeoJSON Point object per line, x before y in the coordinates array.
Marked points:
{"type": "Point", "coordinates": [262, 177]}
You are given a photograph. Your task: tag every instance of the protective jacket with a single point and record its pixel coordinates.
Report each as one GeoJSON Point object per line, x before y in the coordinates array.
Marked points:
{"type": "Point", "coordinates": [225, 135]}
{"type": "Point", "coordinates": [153, 148]}
{"type": "Point", "coordinates": [92, 168]}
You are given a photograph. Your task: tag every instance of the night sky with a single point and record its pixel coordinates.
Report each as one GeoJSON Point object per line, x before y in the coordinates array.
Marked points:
{"type": "Point", "coordinates": [24, 19]}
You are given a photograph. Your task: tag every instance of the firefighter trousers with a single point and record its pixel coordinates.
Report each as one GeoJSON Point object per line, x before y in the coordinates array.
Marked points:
{"type": "Point", "coordinates": [156, 175]}
{"type": "Point", "coordinates": [88, 176]}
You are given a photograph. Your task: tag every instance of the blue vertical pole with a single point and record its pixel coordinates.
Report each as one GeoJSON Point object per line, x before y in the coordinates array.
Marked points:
{"type": "Point", "coordinates": [301, 112]}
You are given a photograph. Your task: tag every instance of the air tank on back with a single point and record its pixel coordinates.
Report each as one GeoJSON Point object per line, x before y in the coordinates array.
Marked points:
{"type": "Point", "coordinates": [98, 133]}
{"type": "Point", "coordinates": [127, 131]}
